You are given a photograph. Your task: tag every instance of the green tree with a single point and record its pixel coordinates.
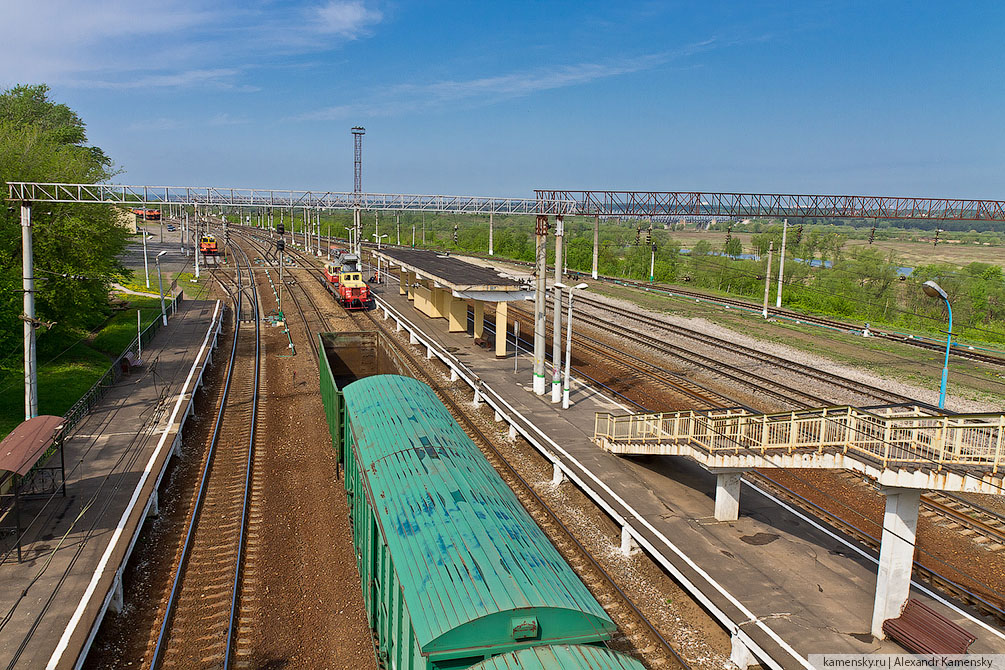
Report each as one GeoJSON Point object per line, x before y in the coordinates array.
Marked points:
{"type": "Point", "coordinates": [44, 141]}
{"type": "Point", "coordinates": [733, 248]}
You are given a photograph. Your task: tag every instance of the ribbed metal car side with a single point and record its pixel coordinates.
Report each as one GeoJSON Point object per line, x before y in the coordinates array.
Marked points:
{"type": "Point", "coordinates": [453, 569]}
{"type": "Point", "coordinates": [561, 657]}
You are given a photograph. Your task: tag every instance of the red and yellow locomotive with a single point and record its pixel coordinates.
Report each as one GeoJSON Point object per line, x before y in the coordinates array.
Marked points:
{"type": "Point", "coordinates": [345, 281]}
{"type": "Point", "coordinates": [207, 245]}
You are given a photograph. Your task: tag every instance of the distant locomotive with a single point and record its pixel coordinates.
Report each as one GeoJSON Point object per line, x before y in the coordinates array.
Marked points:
{"type": "Point", "coordinates": [207, 245]}
{"type": "Point", "coordinates": [455, 573]}
{"type": "Point", "coordinates": [345, 281]}
{"type": "Point", "coordinates": [148, 214]}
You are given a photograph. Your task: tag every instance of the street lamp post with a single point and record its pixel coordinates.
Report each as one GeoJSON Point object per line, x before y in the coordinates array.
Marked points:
{"type": "Point", "coordinates": [380, 278]}
{"type": "Point", "coordinates": [568, 343]}
{"type": "Point", "coordinates": [160, 286]}
{"type": "Point", "coordinates": [146, 267]}
{"type": "Point", "coordinates": [933, 290]}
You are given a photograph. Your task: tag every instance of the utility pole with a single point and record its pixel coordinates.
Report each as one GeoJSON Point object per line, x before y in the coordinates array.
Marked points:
{"type": "Point", "coordinates": [767, 279]}
{"type": "Point", "coordinates": [28, 285]}
{"type": "Point", "coordinates": [490, 235]}
{"type": "Point", "coordinates": [781, 264]}
{"type": "Point", "coordinates": [556, 343]}
{"type": "Point", "coordinates": [357, 184]}
{"type": "Point", "coordinates": [541, 256]}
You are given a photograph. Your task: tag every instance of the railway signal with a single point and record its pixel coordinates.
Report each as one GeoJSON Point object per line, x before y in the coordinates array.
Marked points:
{"type": "Point", "coordinates": [799, 234]}
{"type": "Point", "coordinates": [937, 231]}
{"type": "Point", "coordinates": [638, 232]}
{"type": "Point", "coordinates": [281, 229]}
{"type": "Point", "coordinates": [729, 233]}
{"type": "Point", "coordinates": [872, 234]}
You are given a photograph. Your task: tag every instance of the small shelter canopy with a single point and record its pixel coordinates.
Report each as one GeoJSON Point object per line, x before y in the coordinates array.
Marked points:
{"type": "Point", "coordinates": [26, 444]}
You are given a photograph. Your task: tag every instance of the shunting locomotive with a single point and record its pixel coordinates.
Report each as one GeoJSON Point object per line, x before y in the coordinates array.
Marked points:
{"type": "Point", "coordinates": [345, 281]}
{"type": "Point", "coordinates": [207, 245]}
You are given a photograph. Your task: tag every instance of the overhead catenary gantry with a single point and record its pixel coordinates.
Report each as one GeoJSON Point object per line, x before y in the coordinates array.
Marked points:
{"type": "Point", "coordinates": [119, 194]}
{"type": "Point", "coordinates": [699, 203]}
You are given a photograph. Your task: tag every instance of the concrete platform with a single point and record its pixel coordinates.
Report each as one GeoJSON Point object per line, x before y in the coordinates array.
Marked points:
{"type": "Point", "coordinates": [779, 581]}
{"type": "Point", "coordinates": [74, 547]}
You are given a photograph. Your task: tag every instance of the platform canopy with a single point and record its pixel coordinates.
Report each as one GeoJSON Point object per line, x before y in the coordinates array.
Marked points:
{"type": "Point", "coordinates": [464, 280]}
{"type": "Point", "coordinates": [26, 444]}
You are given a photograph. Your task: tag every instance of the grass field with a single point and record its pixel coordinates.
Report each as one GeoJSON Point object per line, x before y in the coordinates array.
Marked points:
{"type": "Point", "coordinates": [909, 253]}
{"type": "Point", "coordinates": [83, 359]}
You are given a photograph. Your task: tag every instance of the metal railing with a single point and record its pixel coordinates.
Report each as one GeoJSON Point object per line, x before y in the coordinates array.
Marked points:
{"type": "Point", "coordinates": [893, 437]}
{"type": "Point", "coordinates": [93, 396]}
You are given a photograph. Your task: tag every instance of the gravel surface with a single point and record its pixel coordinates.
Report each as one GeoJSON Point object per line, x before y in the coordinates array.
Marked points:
{"type": "Point", "coordinates": [695, 635]}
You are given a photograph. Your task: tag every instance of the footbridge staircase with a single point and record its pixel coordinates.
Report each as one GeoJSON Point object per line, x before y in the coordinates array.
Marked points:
{"type": "Point", "coordinates": [906, 449]}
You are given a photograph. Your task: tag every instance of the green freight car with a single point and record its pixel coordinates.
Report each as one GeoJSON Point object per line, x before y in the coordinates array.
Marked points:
{"type": "Point", "coordinates": [453, 570]}
{"type": "Point", "coordinates": [565, 656]}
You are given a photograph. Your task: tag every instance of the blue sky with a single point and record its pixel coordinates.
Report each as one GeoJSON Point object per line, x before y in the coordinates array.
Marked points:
{"type": "Point", "coordinates": [499, 98]}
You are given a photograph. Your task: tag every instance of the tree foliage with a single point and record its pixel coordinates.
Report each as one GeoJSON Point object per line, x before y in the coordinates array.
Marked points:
{"type": "Point", "coordinates": [41, 140]}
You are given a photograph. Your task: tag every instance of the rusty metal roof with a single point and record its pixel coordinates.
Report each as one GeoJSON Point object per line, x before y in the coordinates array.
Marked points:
{"type": "Point", "coordinates": [561, 657]}
{"type": "Point", "coordinates": [475, 570]}
{"type": "Point", "coordinates": [22, 448]}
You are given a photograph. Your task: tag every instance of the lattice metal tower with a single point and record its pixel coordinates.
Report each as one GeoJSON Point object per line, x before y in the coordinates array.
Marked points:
{"type": "Point", "coordinates": [357, 153]}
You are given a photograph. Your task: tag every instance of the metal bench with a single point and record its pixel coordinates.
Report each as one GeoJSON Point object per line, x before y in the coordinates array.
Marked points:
{"type": "Point", "coordinates": [130, 361]}
{"type": "Point", "coordinates": [922, 630]}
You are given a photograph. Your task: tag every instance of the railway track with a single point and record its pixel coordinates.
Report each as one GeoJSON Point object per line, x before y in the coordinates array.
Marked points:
{"type": "Point", "coordinates": [641, 635]}
{"type": "Point", "coordinates": [799, 317]}
{"type": "Point", "coordinates": [870, 393]}
{"type": "Point", "coordinates": [991, 607]}
{"type": "Point", "coordinates": [959, 509]}
{"type": "Point", "coordinates": [200, 624]}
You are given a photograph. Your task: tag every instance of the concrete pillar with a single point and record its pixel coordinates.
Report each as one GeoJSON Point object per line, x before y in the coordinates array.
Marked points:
{"type": "Point", "coordinates": [118, 595]}
{"type": "Point", "coordinates": [501, 326]}
{"type": "Point", "coordinates": [479, 331]}
{"type": "Point", "coordinates": [155, 507]}
{"type": "Point", "coordinates": [596, 244]}
{"type": "Point", "coordinates": [512, 432]}
{"type": "Point", "coordinates": [541, 232]}
{"type": "Point", "coordinates": [402, 282]}
{"type": "Point", "coordinates": [556, 327]}
{"type": "Point", "coordinates": [557, 476]}
{"type": "Point", "coordinates": [457, 313]}
{"type": "Point", "coordinates": [491, 251]}
{"type": "Point", "coordinates": [727, 495]}
{"type": "Point", "coordinates": [629, 546]}
{"type": "Point", "coordinates": [410, 288]}
{"type": "Point", "coordinates": [439, 303]}
{"type": "Point", "coordinates": [740, 653]}
{"type": "Point", "coordinates": [896, 555]}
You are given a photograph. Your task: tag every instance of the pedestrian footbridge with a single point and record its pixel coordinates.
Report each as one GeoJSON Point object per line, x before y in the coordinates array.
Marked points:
{"type": "Point", "coordinates": [898, 446]}
{"type": "Point", "coordinates": [906, 449]}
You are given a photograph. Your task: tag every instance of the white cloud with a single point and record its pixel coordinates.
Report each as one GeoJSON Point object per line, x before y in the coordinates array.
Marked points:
{"type": "Point", "coordinates": [134, 44]}
{"type": "Point", "coordinates": [487, 90]}
{"type": "Point", "coordinates": [347, 19]}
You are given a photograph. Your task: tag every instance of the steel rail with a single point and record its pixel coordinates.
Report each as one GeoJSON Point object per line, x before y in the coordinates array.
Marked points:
{"type": "Point", "coordinates": [762, 357]}
{"type": "Point", "coordinates": [162, 636]}
{"type": "Point", "coordinates": [956, 350]}
{"type": "Point", "coordinates": [486, 444]}
{"type": "Point", "coordinates": [930, 575]}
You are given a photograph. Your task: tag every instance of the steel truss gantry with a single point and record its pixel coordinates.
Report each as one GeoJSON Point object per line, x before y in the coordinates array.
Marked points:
{"type": "Point", "coordinates": [698, 203]}
{"type": "Point", "coordinates": [118, 194]}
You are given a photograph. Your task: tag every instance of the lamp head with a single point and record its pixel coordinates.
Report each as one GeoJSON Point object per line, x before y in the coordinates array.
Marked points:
{"type": "Point", "coordinates": [580, 287]}
{"type": "Point", "coordinates": [933, 290]}
{"type": "Point", "coordinates": [161, 253]}
{"type": "Point", "coordinates": [559, 284]}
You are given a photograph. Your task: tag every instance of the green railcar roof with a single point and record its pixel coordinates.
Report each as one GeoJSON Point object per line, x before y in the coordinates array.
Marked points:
{"type": "Point", "coordinates": [561, 657]}
{"type": "Point", "coordinates": [473, 566]}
